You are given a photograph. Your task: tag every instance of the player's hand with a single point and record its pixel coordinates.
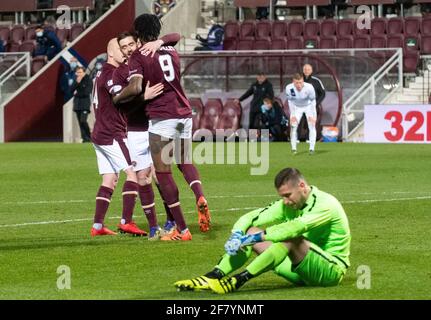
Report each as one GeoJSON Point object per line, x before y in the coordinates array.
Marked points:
{"type": "Point", "coordinates": [154, 91]}
{"type": "Point", "coordinates": [151, 47]}
{"type": "Point", "coordinates": [233, 244]}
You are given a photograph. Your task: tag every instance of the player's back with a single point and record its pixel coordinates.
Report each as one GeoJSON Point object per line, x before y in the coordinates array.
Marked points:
{"type": "Point", "coordinates": [110, 123]}
{"type": "Point", "coordinates": [163, 67]}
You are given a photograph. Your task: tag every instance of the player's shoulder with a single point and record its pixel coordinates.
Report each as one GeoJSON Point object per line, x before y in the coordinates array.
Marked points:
{"type": "Point", "coordinates": [308, 85]}
{"type": "Point", "coordinates": [289, 86]}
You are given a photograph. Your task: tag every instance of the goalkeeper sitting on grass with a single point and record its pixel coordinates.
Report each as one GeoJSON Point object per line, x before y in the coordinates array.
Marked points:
{"type": "Point", "coordinates": [307, 240]}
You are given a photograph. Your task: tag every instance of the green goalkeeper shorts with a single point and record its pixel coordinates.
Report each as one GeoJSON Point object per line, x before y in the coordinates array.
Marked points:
{"type": "Point", "coordinates": [318, 268]}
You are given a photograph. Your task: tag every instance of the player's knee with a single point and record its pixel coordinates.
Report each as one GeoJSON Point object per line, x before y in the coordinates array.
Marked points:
{"type": "Point", "coordinates": [252, 230]}
{"type": "Point", "coordinates": [311, 121]}
{"type": "Point", "coordinates": [144, 177]}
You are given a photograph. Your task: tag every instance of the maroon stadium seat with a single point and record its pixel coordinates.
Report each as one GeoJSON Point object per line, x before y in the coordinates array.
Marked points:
{"type": "Point", "coordinates": [4, 33]}
{"type": "Point", "coordinates": [378, 26]}
{"type": "Point", "coordinates": [311, 28]}
{"type": "Point", "coordinates": [278, 44]}
{"type": "Point", "coordinates": [62, 35]}
{"type": "Point", "coordinates": [395, 41]}
{"type": "Point", "coordinates": [410, 61]}
{"type": "Point", "coordinates": [13, 47]}
{"type": "Point", "coordinates": [295, 43]}
{"type": "Point", "coordinates": [361, 41]}
{"type": "Point", "coordinates": [345, 42]}
{"type": "Point", "coordinates": [27, 46]}
{"type": "Point", "coordinates": [229, 43]}
{"type": "Point", "coordinates": [357, 31]}
{"type": "Point", "coordinates": [378, 41]}
{"type": "Point", "coordinates": [263, 30]}
{"type": "Point", "coordinates": [246, 30]}
{"type": "Point", "coordinates": [231, 29]}
{"type": "Point", "coordinates": [197, 111]}
{"type": "Point", "coordinates": [261, 44]}
{"type": "Point", "coordinates": [229, 120]}
{"type": "Point", "coordinates": [412, 42]}
{"type": "Point", "coordinates": [426, 44]}
{"type": "Point", "coordinates": [295, 29]}
{"type": "Point", "coordinates": [245, 45]}
{"type": "Point", "coordinates": [426, 26]}
{"type": "Point", "coordinates": [37, 64]}
{"type": "Point", "coordinates": [328, 42]}
{"type": "Point", "coordinates": [76, 30]}
{"type": "Point", "coordinates": [395, 26]}
{"type": "Point", "coordinates": [30, 33]}
{"type": "Point", "coordinates": [279, 30]}
{"type": "Point", "coordinates": [311, 42]}
{"type": "Point", "coordinates": [344, 27]}
{"type": "Point", "coordinates": [412, 25]}
{"type": "Point", "coordinates": [230, 103]}
{"type": "Point", "coordinates": [214, 103]}
{"type": "Point", "coordinates": [17, 34]}
{"type": "Point", "coordinates": [210, 120]}
{"type": "Point", "coordinates": [328, 28]}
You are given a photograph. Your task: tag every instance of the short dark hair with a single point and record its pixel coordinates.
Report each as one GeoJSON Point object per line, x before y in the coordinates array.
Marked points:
{"type": "Point", "coordinates": [126, 34]}
{"type": "Point", "coordinates": [147, 27]}
{"type": "Point", "coordinates": [80, 68]}
{"type": "Point", "coordinates": [286, 175]}
{"type": "Point", "coordinates": [297, 76]}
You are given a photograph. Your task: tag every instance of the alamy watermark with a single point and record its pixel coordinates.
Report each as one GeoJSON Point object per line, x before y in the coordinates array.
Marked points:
{"type": "Point", "coordinates": [64, 279]}
{"type": "Point", "coordinates": [364, 277]}
{"type": "Point", "coordinates": [213, 150]}
{"type": "Point", "coordinates": [364, 20]}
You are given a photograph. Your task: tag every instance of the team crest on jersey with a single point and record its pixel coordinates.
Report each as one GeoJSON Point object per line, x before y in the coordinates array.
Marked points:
{"type": "Point", "coordinates": [292, 92]}
{"type": "Point", "coordinates": [110, 83]}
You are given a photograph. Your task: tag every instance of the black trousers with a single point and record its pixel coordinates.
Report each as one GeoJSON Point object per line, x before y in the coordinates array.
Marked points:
{"type": "Point", "coordinates": [254, 117]}
{"type": "Point", "coordinates": [83, 125]}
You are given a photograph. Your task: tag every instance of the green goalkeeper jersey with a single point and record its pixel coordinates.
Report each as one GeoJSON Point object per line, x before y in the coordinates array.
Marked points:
{"type": "Point", "coordinates": [322, 221]}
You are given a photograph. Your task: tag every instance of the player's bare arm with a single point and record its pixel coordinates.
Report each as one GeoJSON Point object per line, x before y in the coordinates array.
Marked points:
{"type": "Point", "coordinates": [153, 46]}
{"type": "Point", "coordinates": [130, 92]}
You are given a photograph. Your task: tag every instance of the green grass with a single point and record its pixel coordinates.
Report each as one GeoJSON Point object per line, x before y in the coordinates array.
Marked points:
{"type": "Point", "coordinates": [385, 190]}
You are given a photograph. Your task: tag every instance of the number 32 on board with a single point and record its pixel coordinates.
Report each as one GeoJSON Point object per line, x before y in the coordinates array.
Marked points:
{"type": "Point", "coordinates": [417, 119]}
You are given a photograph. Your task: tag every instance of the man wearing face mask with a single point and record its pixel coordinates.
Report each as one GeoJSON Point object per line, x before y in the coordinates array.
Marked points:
{"type": "Point", "coordinates": [273, 119]}
{"type": "Point", "coordinates": [48, 43]}
{"type": "Point", "coordinates": [68, 78]}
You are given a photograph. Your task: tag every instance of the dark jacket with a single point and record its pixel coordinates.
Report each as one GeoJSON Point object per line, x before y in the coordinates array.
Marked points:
{"type": "Point", "coordinates": [48, 45]}
{"type": "Point", "coordinates": [259, 92]}
{"type": "Point", "coordinates": [82, 97]}
{"type": "Point", "coordinates": [273, 117]}
{"type": "Point", "coordinates": [2, 49]}
{"type": "Point", "coordinates": [318, 87]}
{"type": "Point", "coordinates": [214, 41]}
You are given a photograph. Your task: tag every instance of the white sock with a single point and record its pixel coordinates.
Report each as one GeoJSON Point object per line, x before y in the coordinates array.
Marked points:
{"type": "Point", "coordinates": [293, 136]}
{"type": "Point", "coordinates": [123, 221]}
{"type": "Point", "coordinates": [97, 226]}
{"type": "Point", "coordinates": [312, 134]}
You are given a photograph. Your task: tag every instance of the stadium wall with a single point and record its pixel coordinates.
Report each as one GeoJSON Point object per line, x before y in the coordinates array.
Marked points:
{"type": "Point", "coordinates": [34, 113]}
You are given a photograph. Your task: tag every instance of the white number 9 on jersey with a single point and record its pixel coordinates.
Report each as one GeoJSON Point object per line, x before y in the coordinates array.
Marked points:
{"type": "Point", "coordinates": [167, 67]}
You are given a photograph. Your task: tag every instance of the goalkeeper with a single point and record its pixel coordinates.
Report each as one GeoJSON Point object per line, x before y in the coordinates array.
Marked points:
{"type": "Point", "coordinates": [306, 240]}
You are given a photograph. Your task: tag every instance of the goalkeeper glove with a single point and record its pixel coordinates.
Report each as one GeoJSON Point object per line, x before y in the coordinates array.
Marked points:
{"type": "Point", "coordinates": [251, 239]}
{"type": "Point", "coordinates": [233, 244]}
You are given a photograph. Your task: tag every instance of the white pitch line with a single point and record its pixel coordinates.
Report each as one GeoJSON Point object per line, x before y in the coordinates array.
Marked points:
{"type": "Point", "coordinates": [229, 209]}
{"type": "Point", "coordinates": [211, 197]}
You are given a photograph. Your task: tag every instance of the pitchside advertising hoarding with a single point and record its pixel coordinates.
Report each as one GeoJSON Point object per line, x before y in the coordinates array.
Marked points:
{"type": "Point", "coordinates": [397, 123]}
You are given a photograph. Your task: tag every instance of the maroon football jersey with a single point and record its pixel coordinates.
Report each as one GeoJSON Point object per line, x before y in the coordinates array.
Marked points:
{"type": "Point", "coordinates": [110, 122]}
{"type": "Point", "coordinates": [137, 119]}
{"type": "Point", "coordinates": [163, 67]}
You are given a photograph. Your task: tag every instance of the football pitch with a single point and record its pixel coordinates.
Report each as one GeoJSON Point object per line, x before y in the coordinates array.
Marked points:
{"type": "Point", "coordinates": [47, 193]}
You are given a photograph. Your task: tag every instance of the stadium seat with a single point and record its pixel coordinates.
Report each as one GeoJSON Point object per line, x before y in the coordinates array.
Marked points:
{"type": "Point", "coordinates": [4, 33]}
{"type": "Point", "coordinates": [295, 43]}
{"type": "Point", "coordinates": [378, 26]}
{"type": "Point", "coordinates": [263, 30]}
{"type": "Point", "coordinates": [328, 42]}
{"type": "Point", "coordinates": [395, 26]}
{"type": "Point", "coordinates": [279, 30]}
{"type": "Point", "coordinates": [412, 42]}
{"type": "Point", "coordinates": [13, 47]}
{"type": "Point", "coordinates": [311, 28]}
{"type": "Point", "coordinates": [37, 64]}
{"type": "Point", "coordinates": [229, 120]}
{"type": "Point", "coordinates": [395, 41]}
{"type": "Point", "coordinates": [412, 25]}
{"type": "Point", "coordinates": [30, 33]}
{"type": "Point", "coordinates": [261, 44]}
{"type": "Point", "coordinates": [197, 111]}
{"type": "Point", "coordinates": [230, 103]}
{"type": "Point", "coordinates": [378, 41]}
{"type": "Point", "coordinates": [27, 46]}
{"type": "Point", "coordinates": [425, 44]}
{"type": "Point", "coordinates": [214, 103]}
{"type": "Point", "coordinates": [295, 29]}
{"type": "Point", "coordinates": [278, 44]}
{"type": "Point", "coordinates": [229, 43]}
{"type": "Point", "coordinates": [17, 34]}
{"type": "Point", "coordinates": [76, 30]}
{"type": "Point", "coordinates": [62, 35]}
{"type": "Point", "coordinates": [361, 41]}
{"type": "Point", "coordinates": [245, 45]}
{"type": "Point", "coordinates": [357, 31]}
{"type": "Point", "coordinates": [345, 42]}
{"type": "Point", "coordinates": [311, 42]}
{"type": "Point", "coordinates": [328, 28]}
{"type": "Point", "coordinates": [210, 120]}
{"type": "Point", "coordinates": [231, 29]}
{"type": "Point", "coordinates": [426, 26]}
{"type": "Point", "coordinates": [410, 61]}
{"type": "Point", "coordinates": [344, 27]}
{"type": "Point", "coordinates": [246, 30]}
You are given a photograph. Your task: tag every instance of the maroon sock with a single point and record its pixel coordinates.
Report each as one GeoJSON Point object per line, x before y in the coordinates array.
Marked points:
{"type": "Point", "coordinates": [171, 195]}
{"type": "Point", "coordinates": [169, 216]}
{"type": "Point", "coordinates": [130, 191]}
{"type": "Point", "coordinates": [146, 194]}
{"type": "Point", "coordinates": [103, 198]}
{"type": "Point", "coordinates": [191, 175]}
